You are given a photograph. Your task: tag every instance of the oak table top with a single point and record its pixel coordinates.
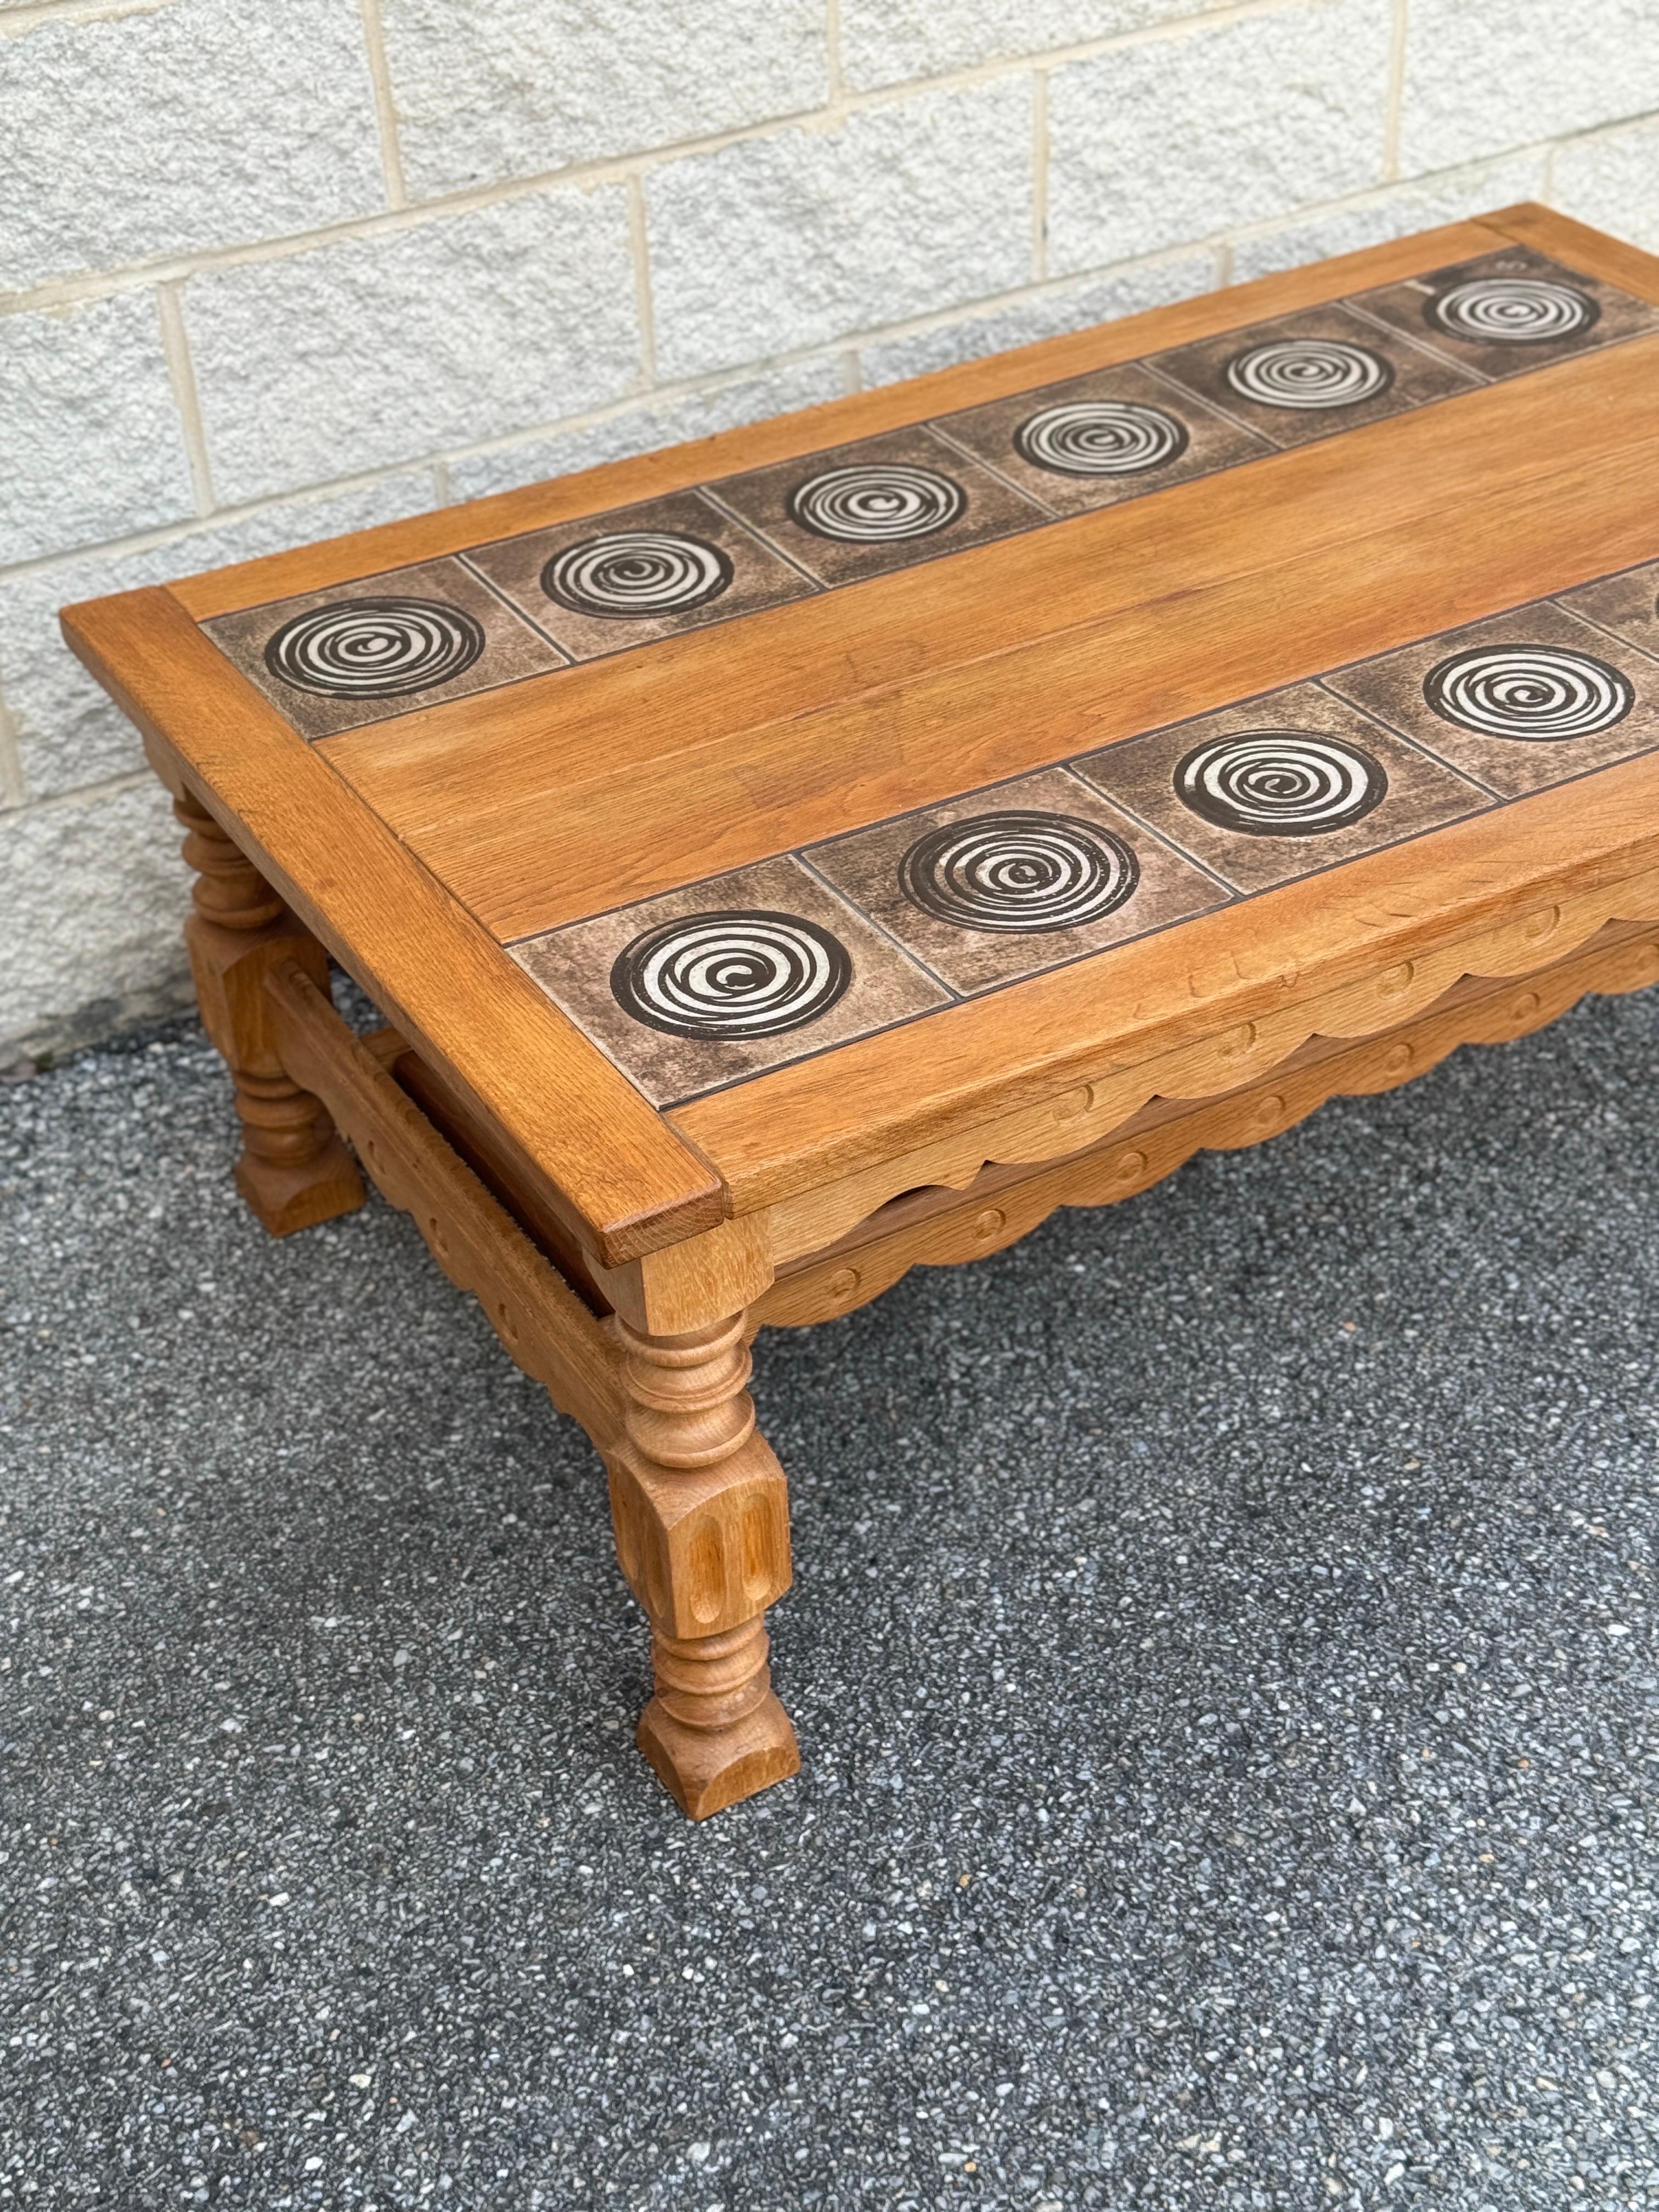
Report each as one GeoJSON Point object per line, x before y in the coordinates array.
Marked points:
{"type": "Point", "coordinates": [747, 836]}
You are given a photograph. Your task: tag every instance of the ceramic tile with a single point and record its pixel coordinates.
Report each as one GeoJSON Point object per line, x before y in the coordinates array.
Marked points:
{"type": "Point", "coordinates": [1508, 312]}
{"type": "Point", "coordinates": [1309, 375]}
{"type": "Point", "coordinates": [385, 645]}
{"type": "Point", "coordinates": [883, 503]}
{"type": "Point", "coordinates": [1280, 786]}
{"type": "Point", "coordinates": [605, 581]}
{"type": "Point", "coordinates": [728, 977]}
{"type": "Point", "coordinates": [1008, 881]}
{"type": "Point", "coordinates": [1522, 700]}
{"type": "Point", "coordinates": [1095, 440]}
{"type": "Point", "coordinates": [1627, 604]}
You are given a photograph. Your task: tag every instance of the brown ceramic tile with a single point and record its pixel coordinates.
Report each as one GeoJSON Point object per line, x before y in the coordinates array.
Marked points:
{"type": "Point", "coordinates": [593, 583]}
{"type": "Point", "coordinates": [1309, 375]}
{"type": "Point", "coordinates": [1280, 786]}
{"type": "Point", "coordinates": [883, 503]}
{"type": "Point", "coordinates": [1095, 440]}
{"type": "Point", "coordinates": [734, 968]}
{"type": "Point", "coordinates": [1008, 881]}
{"type": "Point", "coordinates": [1507, 312]}
{"type": "Point", "coordinates": [1628, 603]}
{"type": "Point", "coordinates": [1575, 698]}
{"type": "Point", "coordinates": [360, 653]}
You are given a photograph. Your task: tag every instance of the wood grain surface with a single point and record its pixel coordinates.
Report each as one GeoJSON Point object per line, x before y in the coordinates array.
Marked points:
{"type": "Point", "coordinates": [412, 847]}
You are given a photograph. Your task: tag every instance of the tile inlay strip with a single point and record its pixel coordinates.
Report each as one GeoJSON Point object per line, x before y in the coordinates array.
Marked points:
{"type": "Point", "coordinates": [503, 611]}
{"type": "Point", "coordinates": [719, 980]}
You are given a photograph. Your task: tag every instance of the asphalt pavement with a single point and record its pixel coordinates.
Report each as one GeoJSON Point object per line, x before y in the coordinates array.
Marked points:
{"type": "Point", "coordinates": [1222, 1649]}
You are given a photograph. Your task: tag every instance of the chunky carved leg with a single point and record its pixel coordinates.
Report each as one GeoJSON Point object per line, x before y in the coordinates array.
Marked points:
{"type": "Point", "coordinates": [294, 1169]}
{"type": "Point", "coordinates": [702, 1517]}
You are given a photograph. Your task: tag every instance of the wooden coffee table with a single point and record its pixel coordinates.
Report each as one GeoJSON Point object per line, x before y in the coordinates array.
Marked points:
{"type": "Point", "coordinates": [834, 845]}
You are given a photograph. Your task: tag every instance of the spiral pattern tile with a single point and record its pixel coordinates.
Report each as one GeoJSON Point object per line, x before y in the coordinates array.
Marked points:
{"type": "Point", "coordinates": [375, 649]}
{"type": "Point", "coordinates": [738, 975]}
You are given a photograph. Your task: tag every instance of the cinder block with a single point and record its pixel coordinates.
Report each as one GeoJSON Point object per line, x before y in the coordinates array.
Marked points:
{"type": "Point", "coordinates": [1023, 322]}
{"type": "Point", "coordinates": [645, 428]}
{"type": "Point", "coordinates": [167, 130]}
{"type": "Point", "coordinates": [1485, 74]}
{"type": "Point", "coordinates": [70, 732]}
{"type": "Point", "coordinates": [891, 41]}
{"type": "Point", "coordinates": [1152, 146]}
{"type": "Point", "coordinates": [1405, 208]}
{"type": "Point", "coordinates": [512, 87]}
{"type": "Point", "coordinates": [1613, 182]}
{"type": "Point", "coordinates": [94, 448]}
{"type": "Point", "coordinates": [804, 237]}
{"type": "Point", "coordinates": [90, 927]}
{"type": "Point", "coordinates": [368, 352]}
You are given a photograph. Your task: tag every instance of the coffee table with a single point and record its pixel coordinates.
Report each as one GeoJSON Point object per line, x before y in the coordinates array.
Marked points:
{"type": "Point", "coordinates": [829, 847]}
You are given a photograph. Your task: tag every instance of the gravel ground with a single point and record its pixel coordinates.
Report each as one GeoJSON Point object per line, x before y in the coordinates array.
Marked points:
{"type": "Point", "coordinates": [1222, 1651]}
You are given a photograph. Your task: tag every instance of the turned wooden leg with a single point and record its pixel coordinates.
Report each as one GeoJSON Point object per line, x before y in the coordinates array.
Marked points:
{"type": "Point", "coordinates": [294, 1169]}
{"type": "Point", "coordinates": [702, 1516]}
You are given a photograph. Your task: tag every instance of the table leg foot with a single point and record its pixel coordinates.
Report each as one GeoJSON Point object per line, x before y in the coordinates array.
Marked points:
{"type": "Point", "coordinates": [702, 1517]}
{"type": "Point", "coordinates": [715, 1732]}
{"type": "Point", "coordinates": [293, 1171]}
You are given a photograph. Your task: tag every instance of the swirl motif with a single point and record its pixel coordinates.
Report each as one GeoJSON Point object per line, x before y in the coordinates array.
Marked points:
{"type": "Point", "coordinates": [630, 575]}
{"type": "Point", "coordinates": [1309, 372]}
{"type": "Point", "coordinates": [1280, 783]}
{"type": "Point", "coordinates": [375, 649]}
{"type": "Point", "coordinates": [1542, 693]}
{"type": "Point", "coordinates": [1513, 310]}
{"type": "Point", "coordinates": [875, 503]}
{"type": "Point", "coordinates": [745, 973]}
{"type": "Point", "coordinates": [1100, 438]}
{"type": "Point", "coordinates": [1019, 872]}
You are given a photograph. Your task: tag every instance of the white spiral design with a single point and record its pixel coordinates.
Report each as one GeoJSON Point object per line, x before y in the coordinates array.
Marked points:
{"type": "Point", "coordinates": [874, 502]}
{"type": "Point", "coordinates": [1309, 372]}
{"type": "Point", "coordinates": [634, 574]}
{"type": "Point", "coordinates": [1280, 783]}
{"type": "Point", "coordinates": [1544, 693]}
{"type": "Point", "coordinates": [1100, 438]}
{"type": "Point", "coordinates": [1021, 872]}
{"type": "Point", "coordinates": [746, 973]}
{"type": "Point", "coordinates": [375, 649]}
{"type": "Point", "coordinates": [1513, 310]}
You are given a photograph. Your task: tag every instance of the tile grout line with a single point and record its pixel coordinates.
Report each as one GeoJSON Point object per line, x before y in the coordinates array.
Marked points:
{"type": "Point", "coordinates": [710, 495]}
{"type": "Point", "coordinates": [1325, 682]}
{"type": "Point", "coordinates": [385, 106]}
{"type": "Point", "coordinates": [935, 426]}
{"type": "Point", "coordinates": [464, 560]}
{"type": "Point", "coordinates": [181, 375]}
{"type": "Point", "coordinates": [800, 855]}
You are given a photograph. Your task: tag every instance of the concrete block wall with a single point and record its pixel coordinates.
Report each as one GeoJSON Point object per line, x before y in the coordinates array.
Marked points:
{"type": "Point", "coordinates": [268, 274]}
